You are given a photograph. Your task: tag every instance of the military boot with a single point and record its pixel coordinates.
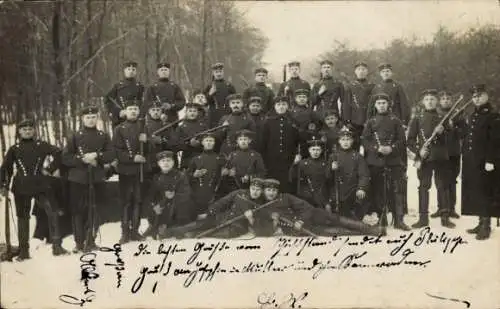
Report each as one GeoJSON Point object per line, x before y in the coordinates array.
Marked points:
{"type": "Point", "coordinates": [398, 219]}
{"type": "Point", "coordinates": [445, 221]}
{"type": "Point", "coordinates": [125, 238]}
{"type": "Point", "coordinates": [445, 217]}
{"type": "Point", "coordinates": [57, 249]}
{"type": "Point", "coordinates": [23, 226]}
{"type": "Point", "coordinates": [453, 201]}
{"type": "Point", "coordinates": [423, 206]}
{"type": "Point", "coordinates": [484, 229]}
{"type": "Point", "coordinates": [436, 214]}
{"type": "Point", "coordinates": [476, 228]}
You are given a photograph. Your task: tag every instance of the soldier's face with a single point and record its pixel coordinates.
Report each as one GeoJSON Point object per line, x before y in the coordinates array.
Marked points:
{"type": "Point", "coordinates": [243, 142]}
{"type": "Point", "coordinates": [218, 74]}
{"type": "Point", "coordinates": [445, 102]}
{"type": "Point", "coordinates": [132, 112]}
{"type": "Point", "coordinates": [255, 192]}
{"type": "Point", "coordinates": [386, 74]}
{"type": "Point", "coordinates": [361, 72]}
{"type": "Point", "coordinates": [294, 70]}
{"type": "Point", "coordinates": [166, 164]}
{"type": "Point", "coordinates": [130, 72]}
{"type": "Point", "coordinates": [191, 113]}
{"type": "Point", "coordinates": [163, 72]}
{"type": "Point", "coordinates": [271, 193]}
{"type": "Point", "coordinates": [331, 121]}
{"type": "Point", "coordinates": [155, 113]}
{"type": "Point", "coordinates": [200, 99]}
{"type": "Point", "coordinates": [260, 77]}
{"type": "Point", "coordinates": [281, 107]}
{"type": "Point", "coordinates": [381, 106]}
{"type": "Point", "coordinates": [315, 151]}
{"type": "Point", "coordinates": [254, 108]}
{"type": "Point", "coordinates": [480, 98]}
{"type": "Point", "coordinates": [208, 143]}
{"type": "Point", "coordinates": [301, 99]}
{"type": "Point", "coordinates": [236, 105]}
{"type": "Point", "coordinates": [430, 102]}
{"type": "Point", "coordinates": [345, 142]}
{"type": "Point", "coordinates": [326, 70]}
{"type": "Point", "coordinates": [26, 132]}
{"type": "Point", "coordinates": [89, 120]}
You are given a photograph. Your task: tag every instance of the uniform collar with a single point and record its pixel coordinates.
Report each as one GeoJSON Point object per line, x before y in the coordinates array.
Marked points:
{"type": "Point", "coordinates": [361, 80]}
{"type": "Point", "coordinates": [483, 108]}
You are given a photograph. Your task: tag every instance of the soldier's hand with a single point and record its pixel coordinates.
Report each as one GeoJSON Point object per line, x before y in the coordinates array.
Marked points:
{"type": "Point", "coordinates": [201, 216]}
{"type": "Point", "coordinates": [224, 172]}
{"type": "Point", "coordinates": [169, 194]}
{"type": "Point", "coordinates": [143, 137]}
{"type": "Point", "coordinates": [60, 213]}
{"type": "Point", "coordinates": [328, 208]}
{"type": "Point", "coordinates": [451, 123]}
{"type": "Point", "coordinates": [335, 166]}
{"type": "Point", "coordinates": [362, 150]}
{"type": "Point", "coordinates": [163, 117]}
{"type": "Point", "coordinates": [322, 89]}
{"type": "Point", "coordinates": [225, 123]}
{"type": "Point", "coordinates": [380, 149]}
{"type": "Point", "coordinates": [56, 173]}
{"type": "Point", "coordinates": [248, 214]}
{"type": "Point", "coordinates": [232, 172]}
{"type": "Point", "coordinates": [298, 225]}
{"type": "Point", "coordinates": [123, 114]}
{"type": "Point", "coordinates": [439, 129]}
{"type": "Point", "coordinates": [424, 152]}
{"type": "Point", "coordinates": [139, 159]}
{"type": "Point", "coordinates": [157, 209]}
{"type": "Point", "coordinates": [245, 179]}
{"type": "Point", "coordinates": [287, 88]}
{"type": "Point", "coordinates": [388, 150]}
{"type": "Point", "coordinates": [45, 172]}
{"type": "Point", "coordinates": [489, 167]}
{"type": "Point", "coordinates": [114, 163]}
{"type": "Point", "coordinates": [297, 159]}
{"type": "Point", "coordinates": [162, 229]}
{"type": "Point", "coordinates": [93, 163]}
{"type": "Point", "coordinates": [417, 164]}
{"type": "Point", "coordinates": [198, 173]}
{"type": "Point", "coordinates": [212, 90]}
{"type": "Point", "coordinates": [360, 194]}
{"type": "Point", "coordinates": [156, 139]}
{"type": "Point", "coordinates": [275, 216]}
{"type": "Point", "coordinates": [194, 142]}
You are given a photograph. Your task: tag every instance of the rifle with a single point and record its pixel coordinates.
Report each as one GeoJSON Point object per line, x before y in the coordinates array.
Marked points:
{"type": "Point", "coordinates": [10, 251]}
{"type": "Point", "coordinates": [385, 175]}
{"type": "Point", "coordinates": [205, 132]}
{"type": "Point", "coordinates": [289, 222]}
{"type": "Point", "coordinates": [460, 110]}
{"type": "Point", "coordinates": [92, 212]}
{"type": "Point", "coordinates": [141, 150]}
{"type": "Point", "coordinates": [102, 90]}
{"type": "Point", "coordinates": [298, 170]}
{"type": "Point", "coordinates": [337, 182]}
{"type": "Point", "coordinates": [167, 126]}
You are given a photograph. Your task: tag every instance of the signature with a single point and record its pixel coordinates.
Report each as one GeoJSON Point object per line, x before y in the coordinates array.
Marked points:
{"type": "Point", "coordinates": [87, 272]}
{"type": "Point", "coordinates": [467, 303]}
{"type": "Point", "coordinates": [119, 265]}
{"type": "Point", "coordinates": [271, 300]}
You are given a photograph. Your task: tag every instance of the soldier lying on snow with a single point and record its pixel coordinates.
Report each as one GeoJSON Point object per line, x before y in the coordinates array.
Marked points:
{"type": "Point", "coordinates": [270, 214]}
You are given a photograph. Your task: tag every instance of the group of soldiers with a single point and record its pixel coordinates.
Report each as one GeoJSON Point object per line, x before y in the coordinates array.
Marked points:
{"type": "Point", "coordinates": [305, 161]}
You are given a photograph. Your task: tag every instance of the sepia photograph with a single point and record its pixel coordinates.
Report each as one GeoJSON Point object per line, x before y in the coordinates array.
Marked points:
{"type": "Point", "coordinates": [249, 154]}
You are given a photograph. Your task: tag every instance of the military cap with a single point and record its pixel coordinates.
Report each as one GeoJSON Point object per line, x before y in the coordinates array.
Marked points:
{"type": "Point", "coordinates": [331, 112]}
{"type": "Point", "coordinates": [164, 155]}
{"type": "Point", "coordinates": [294, 64]}
{"type": "Point", "coordinates": [192, 105]}
{"type": "Point", "coordinates": [326, 62]}
{"type": "Point", "coordinates": [360, 64]}
{"type": "Point", "coordinates": [163, 64]}
{"type": "Point", "coordinates": [257, 182]}
{"type": "Point", "coordinates": [255, 99]}
{"type": "Point", "coordinates": [26, 123]}
{"type": "Point", "coordinates": [244, 132]}
{"type": "Point", "coordinates": [271, 183]}
{"type": "Point", "coordinates": [302, 91]}
{"type": "Point", "coordinates": [207, 135]}
{"type": "Point", "coordinates": [132, 103]}
{"type": "Point", "coordinates": [261, 70]}
{"type": "Point", "coordinates": [432, 92]}
{"type": "Point", "coordinates": [234, 96]}
{"type": "Point", "coordinates": [130, 64]}
{"type": "Point", "coordinates": [218, 66]}
{"type": "Point", "coordinates": [89, 109]}
{"type": "Point", "coordinates": [381, 96]}
{"type": "Point", "coordinates": [346, 131]}
{"type": "Point", "coordinates": [281, 99]}
{"type": "Point", "coordinates": [383, 66]}
{"type": "Point", "coordinates": [314, 142]}
{"type": "Point", "coordinates": [154, 104]}
{"type": "Point", "coordinates": [445, 93]}
{"type": "Point", "coordinates": [478, 88]}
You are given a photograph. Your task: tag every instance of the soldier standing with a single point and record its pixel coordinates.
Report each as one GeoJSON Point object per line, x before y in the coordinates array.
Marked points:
{"type": "Point", "coordinates": [29, 155]}
{"type": "Point", "coordinates": [330, 131]}
{"type": "Point", "coordinates": [327, 91]}
{"type": "Point", "coordinates": [400, 106]}
{"type": "Point", "coordinates": [430, 159]}
{"type": "Point", "coordinates": [358, 92]}
{"type": "Point", "coordinates": [126, 141]}
{"type": "Point", "coordinates": [87, 152]}
{"type": "Point", "coordinates": [480, 153]}
{"type": "Point", "coordinates": [125, 90]}
{"type": "Point", "coordinates": [217, 93]}
{"type": "Point", "coordinates": [288, 87]}
{"type": "Point", "coordinates": [260, 89]}
{"type": "Point", "coordinates": [258, 116]}
{"type": "Point", "coordinates": [200, 99]}
{"type": "Point", "coordinates": [167, 93]}
{"type": "Point", "coordinates": [383, 141]}
{"type": "Point", "coordinates": [186, 134]}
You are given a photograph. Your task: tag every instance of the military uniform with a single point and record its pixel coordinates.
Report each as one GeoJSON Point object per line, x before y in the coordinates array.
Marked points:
{"type": "Point", "coordinates": [262, 91]}
{"type": "Point", "coordinates": [386, 130]}
{"type": "Point", "coordinates": [127, 146]}
{"type": "Point", "coordinates": [170, 191]}
{"type": "Point", "coordinates": [125, 90]}
{"type": "Point", "coordinates": [218, 101]}
{"type": "Point", "coordinates": [168, 94]}
{"type": "Point", "coordinates": [185, 131]}
{"type": "Point", "coordinates": [237, 121]}
{"type": "Point", "coordinates": [29, 156]}
{"type": "Point", "coordinates": [258, 119]}
{"type": "Point", "coordinates": [436, 162]}
{"type": "Point", "coordinates": [86, 140]}
{"type": "Point", "coordinates": [480, 146]}
{"type": "Point", "coordinates": [293, 84]}
{"type": "Point", "coordinates": [329, 99]}
{"type": "Point", "coordinates": [279, 141]}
